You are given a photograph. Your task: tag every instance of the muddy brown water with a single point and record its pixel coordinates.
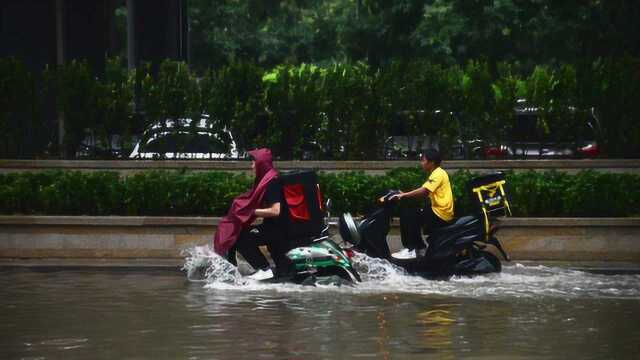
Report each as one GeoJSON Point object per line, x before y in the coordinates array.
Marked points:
{"type": "Point", "coordinates": [524, 312]}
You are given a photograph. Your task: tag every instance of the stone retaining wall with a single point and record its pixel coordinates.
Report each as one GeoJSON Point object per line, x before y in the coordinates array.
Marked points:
{"type": "Point", "coordinates": [371, 167]}
{"type": "Point", "coordinates": [114, 237]}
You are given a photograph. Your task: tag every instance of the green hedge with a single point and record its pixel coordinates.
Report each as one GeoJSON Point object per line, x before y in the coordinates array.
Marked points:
{"type": "Point", "coordinates": [173, 193]}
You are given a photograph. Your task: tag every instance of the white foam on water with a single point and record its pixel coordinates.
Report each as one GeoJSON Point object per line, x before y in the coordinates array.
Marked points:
{"type": "Point", "coordinates": [218, 269]}
{"type": "Point", "coordinates": [222, 275]}
{"type": "Point", "coordinates": [380, 276]}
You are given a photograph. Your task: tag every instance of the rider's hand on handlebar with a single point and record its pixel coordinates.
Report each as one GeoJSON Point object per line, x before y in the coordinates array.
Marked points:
{"type": "Point", "coordinates": [385, 198]}
{"type": "Point", "coordinates": [390, 196]}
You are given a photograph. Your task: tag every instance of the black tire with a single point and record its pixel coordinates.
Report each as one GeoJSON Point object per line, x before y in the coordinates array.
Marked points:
{"type": "Point", "coordinates": [340, 272]}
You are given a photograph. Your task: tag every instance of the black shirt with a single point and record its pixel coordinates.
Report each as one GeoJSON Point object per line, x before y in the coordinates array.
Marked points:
{"type": "Point", "coordinates": [272, 195]}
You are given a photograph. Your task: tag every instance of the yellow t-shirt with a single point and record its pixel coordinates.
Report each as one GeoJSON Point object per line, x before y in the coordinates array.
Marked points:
{"type": "Point", "coordinates": [440, 193]}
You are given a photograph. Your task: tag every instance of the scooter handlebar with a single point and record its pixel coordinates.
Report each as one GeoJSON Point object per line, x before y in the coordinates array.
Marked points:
{"type": "Point", "coordinates": [387, 197]}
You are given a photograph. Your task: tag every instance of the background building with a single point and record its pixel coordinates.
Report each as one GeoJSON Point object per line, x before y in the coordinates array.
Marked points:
{"type": "Point", "coordinates": [41, 32]}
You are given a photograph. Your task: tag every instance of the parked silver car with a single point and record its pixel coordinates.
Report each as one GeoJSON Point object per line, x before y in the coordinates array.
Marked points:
{"type": "Point", "coordinates": [180, 139]}
{"type": "Point", "coordinates": [404, 145]}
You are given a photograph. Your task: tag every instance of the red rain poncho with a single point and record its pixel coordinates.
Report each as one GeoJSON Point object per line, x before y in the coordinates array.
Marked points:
{"type": "Point", "coordinates": [240, 215]}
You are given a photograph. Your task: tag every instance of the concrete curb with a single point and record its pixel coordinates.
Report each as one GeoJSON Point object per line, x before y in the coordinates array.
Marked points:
{"type": "Point", "coordinates": [136, 221]}
{"type": "Point", "coordinates": [213, 221]}
{"type": "Point", "coordinates": [118, 238]}
{"type": "Point", "coordinates": [125, 166]}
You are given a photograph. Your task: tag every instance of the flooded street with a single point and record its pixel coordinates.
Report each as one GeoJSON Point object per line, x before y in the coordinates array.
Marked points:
{"type": "Point", "coordinates": [524, 312]}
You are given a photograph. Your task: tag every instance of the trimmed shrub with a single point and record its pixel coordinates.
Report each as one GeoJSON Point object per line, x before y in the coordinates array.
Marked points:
{"type": "Point", "coordinates": [175, 193]}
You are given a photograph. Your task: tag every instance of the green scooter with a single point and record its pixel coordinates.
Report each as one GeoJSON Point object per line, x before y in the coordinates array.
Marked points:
{"type": "Point", "coordinates": [316, 258]}
{"type": "Point", "coordinates": [322, 260]}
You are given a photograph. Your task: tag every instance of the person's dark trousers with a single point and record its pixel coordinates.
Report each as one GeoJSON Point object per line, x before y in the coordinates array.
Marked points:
{"type": "Point", "coordinates": [431, 222]}
{"type": "Point", "coordinates": [248, 243]}
{"type": "Point", "coordinates": [410, 224]}
{"type": "Point", "coordinates": [278, 248]}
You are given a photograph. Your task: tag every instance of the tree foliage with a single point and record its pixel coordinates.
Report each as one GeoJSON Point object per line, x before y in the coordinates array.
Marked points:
{"type": "Point", "coordinates": [270, 32]}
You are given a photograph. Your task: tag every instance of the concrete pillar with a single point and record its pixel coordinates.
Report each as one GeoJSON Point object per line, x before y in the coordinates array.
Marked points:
{"type": "Point", "coordinates": [60, 32]}
{"type": "Point", "coordinates": [186, 48]}
{"type": "Point", "coordinates": [60, 58]}
{"type": "Point", "coordinates": [131, 38]}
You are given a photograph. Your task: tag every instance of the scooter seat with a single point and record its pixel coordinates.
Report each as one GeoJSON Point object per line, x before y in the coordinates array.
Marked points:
{"type": "Point", "coordinates": [458, 223]}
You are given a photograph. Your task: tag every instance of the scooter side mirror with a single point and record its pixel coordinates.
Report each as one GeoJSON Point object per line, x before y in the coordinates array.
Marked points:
{"type": "Point", "coordinates": [348, 229]}
{"type": "Point", "coordinates": [328, 205]}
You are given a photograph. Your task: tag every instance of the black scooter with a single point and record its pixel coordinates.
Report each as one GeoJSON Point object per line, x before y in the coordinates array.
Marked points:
{"type": "Point", "coordinates": [460, 248]}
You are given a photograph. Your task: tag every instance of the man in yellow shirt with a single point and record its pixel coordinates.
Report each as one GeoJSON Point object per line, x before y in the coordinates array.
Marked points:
{"type": "Point", "coordinates": [438, 189]}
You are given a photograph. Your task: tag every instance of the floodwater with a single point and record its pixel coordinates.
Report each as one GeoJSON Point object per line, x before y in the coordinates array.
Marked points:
{"type": "Point", "coordinates": [523, 312]}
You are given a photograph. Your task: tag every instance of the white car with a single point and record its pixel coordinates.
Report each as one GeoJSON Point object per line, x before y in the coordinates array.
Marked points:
{"type": "Point", "coordinates": [176, 139]}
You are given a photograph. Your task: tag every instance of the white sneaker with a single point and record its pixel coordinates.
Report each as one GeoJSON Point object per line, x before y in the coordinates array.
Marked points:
{"type": "Point", "coordinates": [261, 275]}
{"type": "Point", "coordinates": [405, 254]}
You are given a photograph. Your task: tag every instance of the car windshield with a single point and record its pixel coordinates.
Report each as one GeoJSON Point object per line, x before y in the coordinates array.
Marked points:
{"type": "Point", "coordinates": [185, 143]}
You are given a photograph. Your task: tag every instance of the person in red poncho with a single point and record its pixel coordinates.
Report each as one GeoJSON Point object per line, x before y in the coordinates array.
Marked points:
{"type": "Point", "coordinates": [235, 232]}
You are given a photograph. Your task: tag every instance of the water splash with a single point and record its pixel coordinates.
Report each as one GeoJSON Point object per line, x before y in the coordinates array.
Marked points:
{"type": "Point", "coordinates": [204, 264]}
{"type": "Point", "coordinates": [374, 269]}
{"type": "Point", "coordinates": [515, 280]}
{"type": "Point", "coordinates": [380, 276]}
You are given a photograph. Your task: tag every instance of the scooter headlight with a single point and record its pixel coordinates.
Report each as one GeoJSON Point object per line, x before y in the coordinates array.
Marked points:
{"type": "Point", "coordinates": [348, 229]}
